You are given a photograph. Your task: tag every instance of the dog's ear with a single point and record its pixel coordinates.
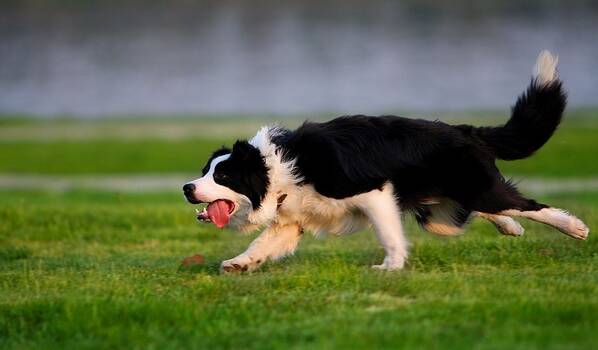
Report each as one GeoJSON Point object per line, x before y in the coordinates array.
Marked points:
{"type": "Point", "coordinates": [221, 151]}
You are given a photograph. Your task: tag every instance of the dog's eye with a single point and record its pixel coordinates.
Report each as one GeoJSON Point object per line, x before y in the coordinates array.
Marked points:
{"type": "Point", "coordinates": [220, 176]}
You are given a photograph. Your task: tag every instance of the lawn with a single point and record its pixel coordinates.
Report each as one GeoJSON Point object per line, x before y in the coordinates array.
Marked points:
{"type": "Point", "coordinates": [101, 269]}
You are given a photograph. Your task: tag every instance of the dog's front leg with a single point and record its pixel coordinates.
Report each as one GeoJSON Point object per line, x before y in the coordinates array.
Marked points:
{"type": "Point", "coordinates": [382, 209]}
{"type": "Point", "coordinates": [275, 242]}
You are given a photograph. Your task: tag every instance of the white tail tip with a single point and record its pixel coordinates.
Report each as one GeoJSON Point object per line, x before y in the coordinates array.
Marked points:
{"type": "Point", "coordinates": [545, 71]}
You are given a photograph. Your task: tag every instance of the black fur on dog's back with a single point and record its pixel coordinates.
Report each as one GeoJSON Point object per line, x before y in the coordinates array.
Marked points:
{"type": "Point", "coordinates": [356, 154]}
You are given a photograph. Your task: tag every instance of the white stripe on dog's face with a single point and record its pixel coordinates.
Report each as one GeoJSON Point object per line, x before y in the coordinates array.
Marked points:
{"type": "Point", "coordinates": [215, 162]}
{"type": "Point", "coordinates": [207, 190]}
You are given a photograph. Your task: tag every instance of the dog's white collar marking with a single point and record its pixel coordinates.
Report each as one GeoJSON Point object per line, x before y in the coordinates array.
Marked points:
{"type": "Point", "coordinates": [280, 174]}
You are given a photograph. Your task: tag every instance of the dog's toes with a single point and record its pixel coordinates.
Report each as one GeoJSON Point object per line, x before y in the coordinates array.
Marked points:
{"type": "Point", "coordinates": [239, 264]}
{"type": "Point", "coordinates": [576, 229]}
{"type": "Point", "coordinates": [227, 268]}
{"type": "Point", "coordinates": [390, 264]}
{"type": "Point", "coordinates": [231, 268]}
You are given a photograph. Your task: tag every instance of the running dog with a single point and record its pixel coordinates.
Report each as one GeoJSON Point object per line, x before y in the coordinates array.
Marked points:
{"type": "Point", "coordinates": [358, 171]}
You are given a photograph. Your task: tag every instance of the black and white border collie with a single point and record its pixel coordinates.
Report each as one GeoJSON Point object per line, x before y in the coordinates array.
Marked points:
{"type": "Point", "coordinates": [352, 172]}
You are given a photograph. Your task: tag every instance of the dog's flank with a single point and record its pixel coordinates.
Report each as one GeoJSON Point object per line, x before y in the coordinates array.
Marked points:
{"type": "Point", "coordinates": [355, 171]}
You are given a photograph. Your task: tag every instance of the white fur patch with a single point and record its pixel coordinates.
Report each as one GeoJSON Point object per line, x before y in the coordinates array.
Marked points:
{"type": "Point", "coordinates": [545, 70]}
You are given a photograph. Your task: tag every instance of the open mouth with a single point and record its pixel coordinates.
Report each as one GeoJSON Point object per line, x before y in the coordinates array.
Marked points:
{"type": "Point", "coordinates": [217, 212]}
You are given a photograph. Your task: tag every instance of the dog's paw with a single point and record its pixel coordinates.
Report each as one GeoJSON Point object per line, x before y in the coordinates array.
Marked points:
{"type": "Point", "coordinates": [241, 263]}
{"type": "Point", "coordinates": [576, 229]}
{"type": "Point", "coordinates": [565, 222]}
{"type": "Point", "coordinates": [508, 226]}
{"type": "Point", "coordinates": [390, 264]}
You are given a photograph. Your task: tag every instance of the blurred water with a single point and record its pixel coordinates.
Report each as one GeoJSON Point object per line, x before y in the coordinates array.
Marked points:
{"type": "Point", "coordinates": [92, 58]}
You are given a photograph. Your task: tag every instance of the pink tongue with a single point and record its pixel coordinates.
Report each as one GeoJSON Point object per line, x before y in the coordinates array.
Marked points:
{"type": "Point", "coordinates": [219, 212]}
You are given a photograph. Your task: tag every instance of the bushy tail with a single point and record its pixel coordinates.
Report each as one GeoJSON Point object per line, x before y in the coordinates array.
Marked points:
{"type": "Point", "coordinates": [535, 116]}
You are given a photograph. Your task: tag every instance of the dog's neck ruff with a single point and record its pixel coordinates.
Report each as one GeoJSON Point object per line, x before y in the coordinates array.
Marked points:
{"type": "Point", "coordinates": [280, 173]}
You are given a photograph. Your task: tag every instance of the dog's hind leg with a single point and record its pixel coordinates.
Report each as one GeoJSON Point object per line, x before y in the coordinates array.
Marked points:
{"type": "Point", "coordinates": [557, 218]}
{"type": "Point", "coordinates": [504, 199]}
{"type": "Point", "coordinates": [504, 224]}
{"type": "Point", "coordinates": [381, 207]}
{"type": "Point", "coordinates": [442, 216]}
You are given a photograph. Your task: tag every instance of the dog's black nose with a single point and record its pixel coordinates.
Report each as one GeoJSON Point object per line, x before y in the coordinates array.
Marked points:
{"type": "Point", "coordinates": [189, 188]}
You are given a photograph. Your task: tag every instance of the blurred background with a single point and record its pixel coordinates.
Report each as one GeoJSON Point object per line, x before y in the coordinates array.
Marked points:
{"type": "Point", "coordinates": [92, 59]}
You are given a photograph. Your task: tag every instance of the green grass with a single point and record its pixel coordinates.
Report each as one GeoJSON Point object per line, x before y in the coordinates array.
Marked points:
{"type": "Point", "coordinates": [102, 270]}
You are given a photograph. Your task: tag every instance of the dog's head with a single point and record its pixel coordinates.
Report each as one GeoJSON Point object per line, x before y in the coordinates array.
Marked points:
{"type": "Point", "coordinates": [234, 184]}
